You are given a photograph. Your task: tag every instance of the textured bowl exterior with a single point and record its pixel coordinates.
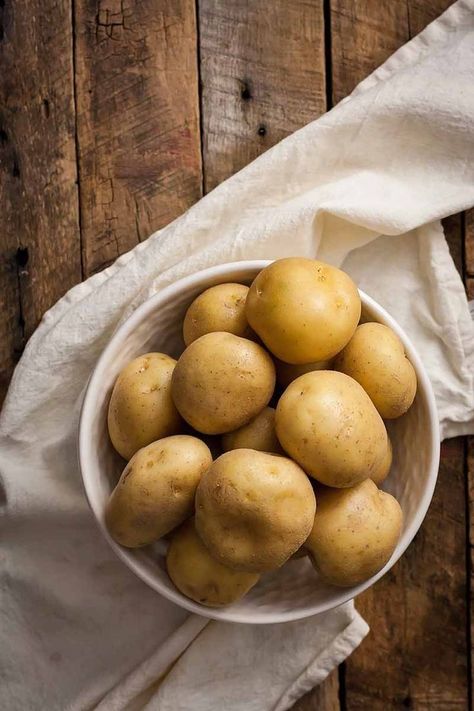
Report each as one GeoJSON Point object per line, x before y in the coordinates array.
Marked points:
{"type": "Point", "coordinates": [295, 591]}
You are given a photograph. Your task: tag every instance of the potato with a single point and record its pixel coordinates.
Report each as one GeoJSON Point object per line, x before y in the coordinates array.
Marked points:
{"type": "Point", "coordinates": [254, 509]}
{"type": "Point", "coordinates": [382, 471]}
{"type": "Point", "coordinates": [141, 409]}
{"type": "Point", "coordinates": [327, 423]}
{"type": "Point", "coordinates": [303, 310]}
{"type": "Point", "coordinates": [376, 358]}
{"type": "Point", "coordinates": [220, 308]}
{"type": "Point", "coordinates": [156, 490]}
{"type": "Point", "coordinates": [199, 576]}
{"type": "Point", "coordinates": [286, 372]}
{"type": "Point", "coordinates": [257, 434]}
{"type": "Point", "coordinates": [221, 381]}
{"type": "Point", "coordinates": [354, 534]}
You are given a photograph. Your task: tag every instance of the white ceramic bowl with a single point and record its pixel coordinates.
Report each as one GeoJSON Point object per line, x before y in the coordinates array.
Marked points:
{"type": "Point", "coordinates": [294, 591]}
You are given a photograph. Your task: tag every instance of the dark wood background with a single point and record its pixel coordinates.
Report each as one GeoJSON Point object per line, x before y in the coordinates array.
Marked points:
{"type": "Point", "coordinates": [116, 116]}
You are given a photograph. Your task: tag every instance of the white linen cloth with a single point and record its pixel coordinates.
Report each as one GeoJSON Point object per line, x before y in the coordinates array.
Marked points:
{"type": "Point", "coordinates": [79, 631]}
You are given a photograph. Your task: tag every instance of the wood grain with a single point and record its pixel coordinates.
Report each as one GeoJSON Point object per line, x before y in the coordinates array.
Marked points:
{"type": "Point", "coordinates": [422, 12]}
{"type": "Point", "coordinates": [416, 654]}
{"type": "Point", "coordinates": [39, 236]}
{"type": "Point", "coordinates": [418, 613]}
{"type": "Point", "coordinates": [470, 557]}
{"type": "Point", "coordinates": [262, 73]}
{"type": "Point", "coordinates": [469, 243]}
{"type": "Point", "coordinates": [363, 35]}
{"type": "Point", "coordinates": [324, 697]}
{"type": "Point", "coordinates": [138, 120]}
{"type": "Point", "coordinates": [262, 77]}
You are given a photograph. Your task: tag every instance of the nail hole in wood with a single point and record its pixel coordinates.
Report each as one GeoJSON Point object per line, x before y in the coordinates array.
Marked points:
{"type": "Point", "coordinates": [3, 136]}
{"type": "Point", "coordinates": [245, 92]}
{"type": "Point", "coordinates": [262, 130]}
{"type": "Point", "coordinates": [407, 702]}
{"type": "Point", "coordinates": [22, 256]}
{"type": "Point", "coordinates": [45, 107]}
{"type": "Point", "coordinates": [16, 169]}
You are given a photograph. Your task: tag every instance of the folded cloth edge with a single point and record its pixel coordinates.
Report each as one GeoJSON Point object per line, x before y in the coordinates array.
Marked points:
{"type": "Point", "coordinates": [334, 654]}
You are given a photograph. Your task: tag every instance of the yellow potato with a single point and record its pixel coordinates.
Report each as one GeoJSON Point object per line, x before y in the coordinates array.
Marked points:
{"type": "Point", "coordinates": [254, 509]}
{"type": "Point", "coordinates": [221, 381]}
{"type": "Point", "coordinates": [257, 434]}
{"type": "Point", "coordinates": [354, 534]}
{"type": "Point", "coordinates": [286, 372]}
{"type": "Point", "coordinates": [156, 490]}
{"type": "Point", "coordinates": [220, 308]}
{"type": "Point", "coordinates": [303, 310]}
{"type": "Point", "coordinates": [382, 471]}
{"type": "Point", "coordinates": [376, 358]}
{"type": "Point", "coordinates": [327, 423]}
{"type": "Point", "coordinates": [141, 409]}
{"type": "Point", "coordinates": [199, 576]}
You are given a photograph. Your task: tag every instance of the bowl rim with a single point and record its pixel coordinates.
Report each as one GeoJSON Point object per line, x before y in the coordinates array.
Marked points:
{"type": "Point", "coordinates": [228, 614]}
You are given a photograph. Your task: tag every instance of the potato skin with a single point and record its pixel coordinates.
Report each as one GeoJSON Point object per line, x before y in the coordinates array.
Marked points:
{"type": "Point", "coordinates": [257, 434]}
{"type": "Point", "coordinates": [254, 509]}
{"type": "Point", "coordinates": [219, 308]}
{"type": "Point", "coordinates": [156, 490]}
{"type": "Point", "coordinates": [141, 409]}
{"type": "Point", "coordinates": [199, 576]}
{"type": "Point", "coordinates": [381, 473]}
{"type": "Point", "coordinates": [375, 357]}
{"type": "Point", "coordinates": [303, 310]}
{"type": "Point", "coordinates": [327, 423]}
{"type": "Point", "coordinates": [354, 534]}
{"type": "Point", "coordinates": [221, 381]}
{"type": "Point", "coordinates": [286, 372]}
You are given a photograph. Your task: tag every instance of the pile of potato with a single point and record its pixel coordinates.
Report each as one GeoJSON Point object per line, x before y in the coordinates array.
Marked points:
{"type": "Point", "coordinates": [283, 380]}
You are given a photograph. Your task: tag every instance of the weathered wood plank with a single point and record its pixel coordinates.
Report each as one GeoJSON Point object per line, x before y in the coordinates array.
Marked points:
{"type": "Point", "coordinates": [324, 698]}
{"type": "Point", "coordinates": [469, 242]}
{"type": "Point", "coordinates": [453, 228]}
{"type": "Point", "coordinates": [416, 654]}
{"type": "Point", "coordinates": [363, 35]}
{"type": "Point", "coordinates": [39, 230]}
{"type": "Point", "coordinates": [418, 612]}
{"type": "Point", "coordinates": [263, 77]}
{"type": "Point", "coordinates": [138, 120]}
{"type": "Point", "coordinates": [422, 12]}
{"type": "Point", "coordinates": [470, 504]}
{"type": "Point", "coordinates": [262, 73]}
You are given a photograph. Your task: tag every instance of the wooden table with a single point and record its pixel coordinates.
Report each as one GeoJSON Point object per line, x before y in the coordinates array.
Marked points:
{"type": "Point", "coordinates": [116, 116]}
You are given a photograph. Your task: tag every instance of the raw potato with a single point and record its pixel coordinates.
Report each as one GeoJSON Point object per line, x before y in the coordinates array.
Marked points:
{"type": "Point", "coordinates": [303, 310]}
{"type": "Point", "coordinates": [156, 490]}
{"type": "Point", "coordinates": [376, 358]}
{"type": "Point", "coordinates": [355, 533]}
{"type": "Point", "coordinates": [222, 381]}
{"type": "Point", "coordinates": [141, 409]}
{"type": "Point", "coordinates": [254, 509]}
{"type": "Point", "coordinates": [382, 472]}
{"type": "Point", "coordinates": [220, 308]}
{"type": "Point", "coordinates": [327, 423]}
{"type": "Point", "coordinates": [199, 576]}
{"type": "Point", "coordinates": [257, 434]}
{"type": "Point", "coordinates": [286, 372]}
